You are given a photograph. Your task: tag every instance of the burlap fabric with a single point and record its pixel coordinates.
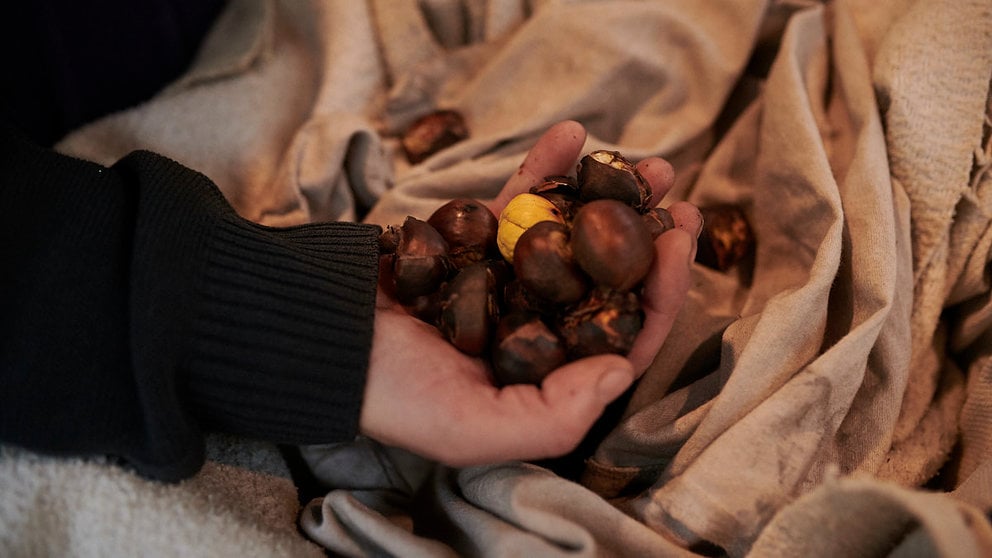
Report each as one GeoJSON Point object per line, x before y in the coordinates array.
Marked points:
{"type": "Point", "coordinates": [834, 398]}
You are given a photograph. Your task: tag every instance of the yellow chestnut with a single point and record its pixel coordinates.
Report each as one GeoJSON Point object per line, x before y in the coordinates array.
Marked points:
{"type": "Point", "coordinates": [523, 212]}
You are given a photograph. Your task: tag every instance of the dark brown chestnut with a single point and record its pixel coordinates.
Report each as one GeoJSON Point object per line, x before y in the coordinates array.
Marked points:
{"type": "Point", "coordinates": [432, 133]}
{"type": "Point", "coordinates": [389, 239]}
{"type": "Point", "coordinates": [608, 321]}
{"type": "Point", "coordinates": [420, 261]}
{"type": "Point", "coordinates": [611, 244]}
{"type": "Point", "coordinates": [567, 205]}
{"type": "Point", "coordinates": [608, 175]}
{"type": "Point", "coordinates": [470, 308]}
{"type": "Point", "coordinates": [658, 221]}
{"type": "Point", "coordinates": [426, 308]}
{"type": "Point", "coordinates": [544, 264]}
{"type": "Point", "coordinates": [726, 238]}
{"type": "Point", "coordinates": [563, 191]}
{"type": "Point", "coordinates": [517, 298]}
{"type": "Point", "coordinates": [525, 350]}
{"type": "Point", "coordinates": [469, 228]}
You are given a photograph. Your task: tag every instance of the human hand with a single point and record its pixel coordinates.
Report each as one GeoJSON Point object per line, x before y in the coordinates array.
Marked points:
{"type": "Point", "coordinates": [424, 395]}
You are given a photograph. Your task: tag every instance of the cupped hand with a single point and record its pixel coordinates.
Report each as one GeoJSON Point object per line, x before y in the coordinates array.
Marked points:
{"type": "Point", "coordinates": [424, 395]}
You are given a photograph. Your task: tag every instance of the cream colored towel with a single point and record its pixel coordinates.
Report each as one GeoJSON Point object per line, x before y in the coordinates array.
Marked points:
{"type": "Point", "coordinates": [833, 400]}
{"type": "Point", "coordinates": [242, 503]}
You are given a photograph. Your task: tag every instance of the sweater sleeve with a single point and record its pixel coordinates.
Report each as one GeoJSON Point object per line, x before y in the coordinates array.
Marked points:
{"type": "Point", "coordinates": [139, 311]}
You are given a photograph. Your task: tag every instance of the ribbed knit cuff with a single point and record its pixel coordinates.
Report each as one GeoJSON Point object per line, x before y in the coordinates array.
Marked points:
{"type": "Point", "coordinates": [283, 330]}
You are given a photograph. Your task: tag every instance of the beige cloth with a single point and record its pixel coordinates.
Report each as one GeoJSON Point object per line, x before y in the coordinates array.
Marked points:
{"type": "Point", "coordinates": [242, 503]}
{"type": "Point", "coordinates": [833, 401]}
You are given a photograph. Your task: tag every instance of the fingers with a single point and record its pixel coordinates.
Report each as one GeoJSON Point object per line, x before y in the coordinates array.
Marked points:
{"type": "Point", "coordinates": [687, 217]}
{"type": "Point", "coordinates": [664, 294]}
{"type": "Point", "coordinates": [660, 174]}
{"type": "Point", "coordinates": [668, 283]}
{"type": "Point", "coordinates": [555, 153]}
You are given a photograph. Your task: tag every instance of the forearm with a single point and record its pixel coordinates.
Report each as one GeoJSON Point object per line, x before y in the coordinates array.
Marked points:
{"type": "Point", "coordinates": [140, 310]}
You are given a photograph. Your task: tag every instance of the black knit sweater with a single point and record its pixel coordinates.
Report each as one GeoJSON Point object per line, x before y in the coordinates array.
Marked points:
{"type": "Point", "coordinates": [138, 311]}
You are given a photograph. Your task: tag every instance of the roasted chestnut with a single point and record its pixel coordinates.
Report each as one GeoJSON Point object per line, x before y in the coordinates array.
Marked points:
{"type": "Point", "coordinates": [516, 298]}
{"type": "Point", "coordinates": [520, 214]}
{"type": "Point", "coordinates": [608, 175]}
{"type": "Point", "coordinates": [607, 321]}
{"type": "Point", "coordinates": [426, 308]}
{"type": "Point", "coordinates": [389, 240]}
{"type": "Point", "coordinates": [525, 350]}
{"type": "Point", "coordinates": [567, 204]}
{"type": "Point", "coordinates": [432, 133]}
{"type": "Point", "coordinates": [611, 244]}
{"type": "Point", "coordinates": [470, 308]}
{"type": "Point", "coordinates": [658, 221]}
{"type": "Point", "coordinates": [563, 191]}
{"type": "Point", "coordinates": [726, 238]}
{"type": "Point", "coordinates": [469, 228]}
{"type": "Point", "coordinates": [544, 264]}
{"type": "Point", "coordinates": [419, 258]}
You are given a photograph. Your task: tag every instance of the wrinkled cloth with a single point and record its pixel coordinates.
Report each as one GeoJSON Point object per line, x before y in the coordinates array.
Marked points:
{"type": "Point", "coordinates": [831, 398]}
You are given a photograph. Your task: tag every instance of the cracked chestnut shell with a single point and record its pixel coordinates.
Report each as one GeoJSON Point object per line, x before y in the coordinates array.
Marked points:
{"type": "Point", "coordinates": [525, 350]}
{"type": "Point", "coordinates": [563, 192]}
{"type": "Point", "coordinates": [608, 321]}
{"type": "Point", "coordinates": [658, 221]}
{"type": "Point", "coordinates": [433, 132]}
{"type": "Point", "coordinates": [426, 308]}
{"type": "Point", "coordinates": [544, 264]}
{"type": "Point", "coordinates": [517, 298]}
{"type": "Point", "coordinates": [726, 238]}
{"type": "Point", "coordinates": [611, 244]}
{"type": "Point", "coordinates": [469, 228]}
{"type": "Point", "coordinates": [470, 309]}
{"type": "Point", "coordinates": [606, 174]}
{"type": "Point", "coordinates": [419, 258]}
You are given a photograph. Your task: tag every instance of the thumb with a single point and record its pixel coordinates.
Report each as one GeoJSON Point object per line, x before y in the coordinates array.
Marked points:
{"type": "Point", "coordinates": [593, 382]}
{"type": "Point", "coordinates": [577, 393]}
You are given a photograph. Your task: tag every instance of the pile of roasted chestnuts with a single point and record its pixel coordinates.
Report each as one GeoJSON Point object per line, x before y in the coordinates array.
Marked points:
{"type": "Point", "coordinates": [555, 277]}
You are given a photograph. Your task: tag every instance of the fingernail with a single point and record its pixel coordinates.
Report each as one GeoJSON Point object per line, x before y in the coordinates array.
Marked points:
{"type": "Point", "coordinates": [612, 383]}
